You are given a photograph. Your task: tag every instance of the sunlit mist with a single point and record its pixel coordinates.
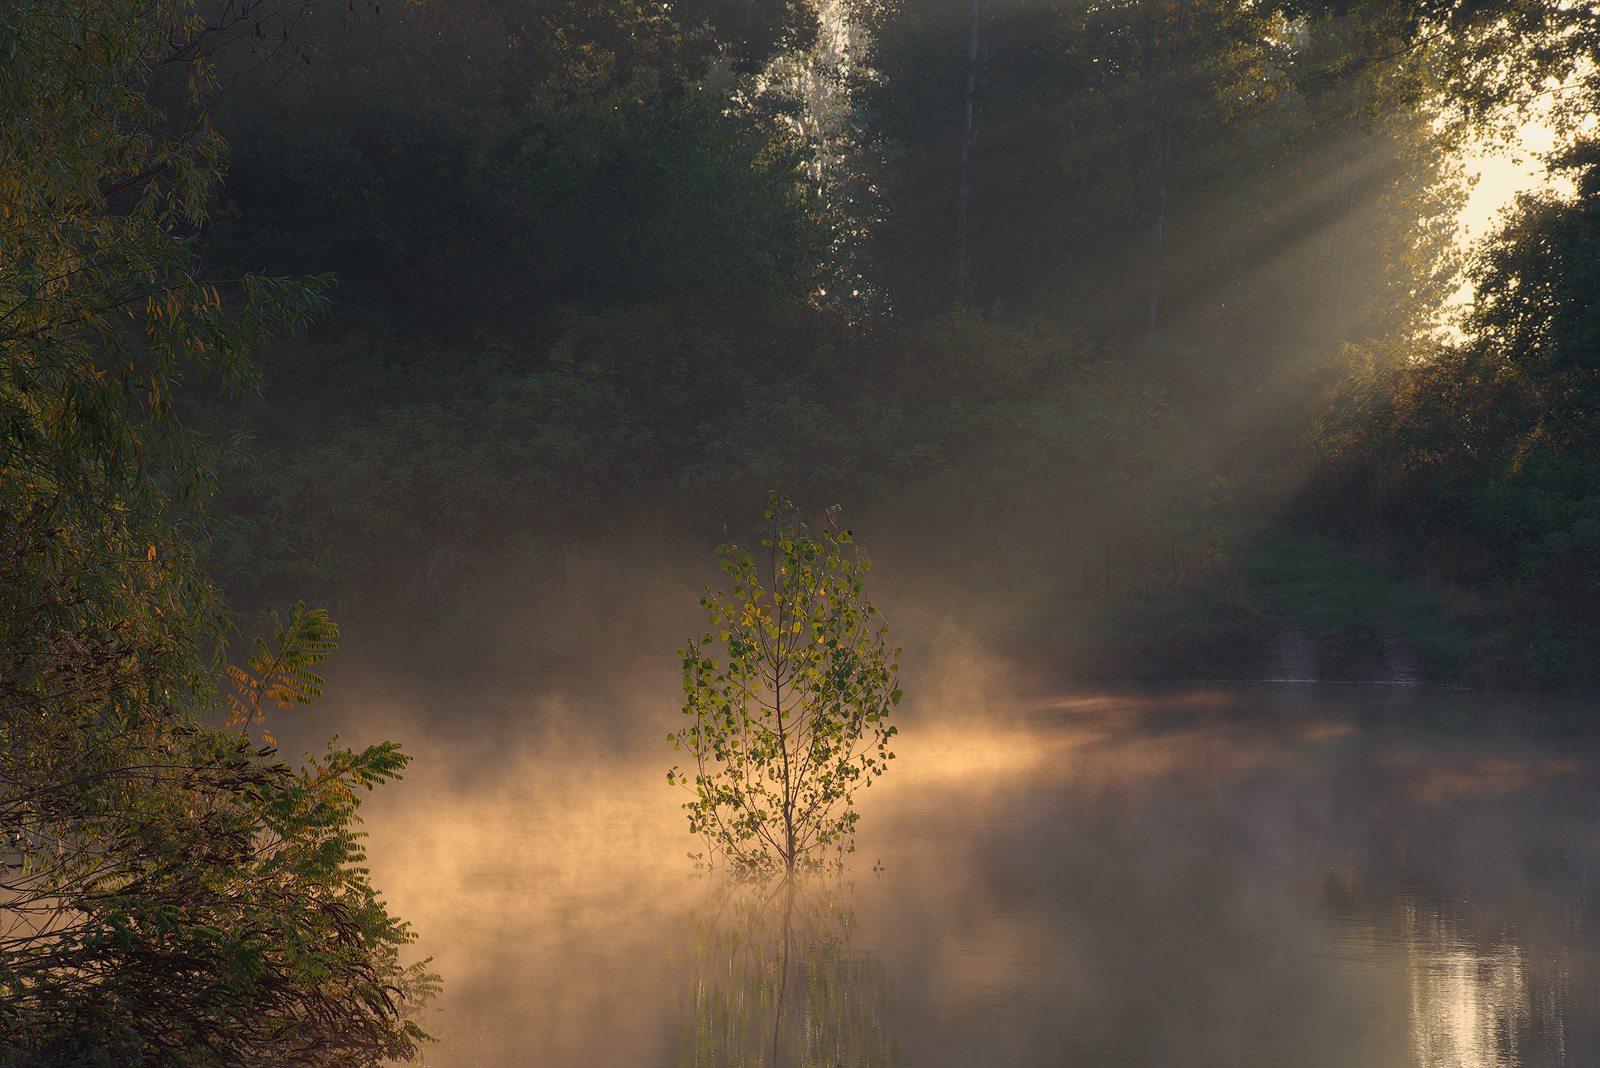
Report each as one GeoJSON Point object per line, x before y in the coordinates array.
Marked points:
{"type": "Point", "coordinates": [1219, 875]}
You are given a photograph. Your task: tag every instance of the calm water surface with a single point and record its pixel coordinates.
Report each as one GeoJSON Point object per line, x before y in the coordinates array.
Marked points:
{"type": "Point", "coordinates": [1253, 875]}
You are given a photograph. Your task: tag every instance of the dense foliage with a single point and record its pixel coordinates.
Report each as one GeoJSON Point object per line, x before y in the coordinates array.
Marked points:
{"type": "Point", "coordinates": [465, 170]}
{"type": "Point", "coordinates": [1486, 456]}
{"type": "Point", "coordinates": [1189, 168]}
{"type": "Point", "coordinates": [965, 425]}
{"type": "Point", "coordinates": [1055, 295]}
{"type": "Point", "coordinates": [169, 892]}
{"type": "Point", "coordinates": [582, 282]}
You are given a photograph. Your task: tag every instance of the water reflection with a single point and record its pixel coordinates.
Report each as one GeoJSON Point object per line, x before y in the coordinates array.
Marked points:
{"type": "Point", "coordinates": [1198, 878]}
{"type": "Point", "coordinates": [774, 981]}
{"type": "Point", "coordinates": [1467, 1005]}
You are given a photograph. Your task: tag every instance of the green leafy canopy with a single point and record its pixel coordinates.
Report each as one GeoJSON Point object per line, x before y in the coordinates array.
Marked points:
{"type": "Point", "coordinates": [795, 716]}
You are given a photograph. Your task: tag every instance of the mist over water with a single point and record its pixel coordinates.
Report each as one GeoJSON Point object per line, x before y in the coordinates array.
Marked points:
{"type": "Point", "coordinates": [1252, 874]}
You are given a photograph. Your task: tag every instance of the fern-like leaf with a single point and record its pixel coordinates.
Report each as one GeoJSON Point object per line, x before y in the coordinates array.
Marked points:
{"type": "Point", "coordinates": [282, 671]}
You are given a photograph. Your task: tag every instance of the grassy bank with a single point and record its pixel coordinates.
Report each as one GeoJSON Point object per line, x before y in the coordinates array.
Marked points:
{"type": "Point", "coordinates": [1282, 601]}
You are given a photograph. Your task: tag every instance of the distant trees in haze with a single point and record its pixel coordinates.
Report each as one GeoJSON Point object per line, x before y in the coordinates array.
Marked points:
{"type": "Point", "coordinates": [472, 165]}
{"type": "Point", "coordinates": [598, 257]}
{"type": "Point", "coordinates": [563, 189]}
{"type": "Point", "coordinates": [506, 161]}
{"type": "Point", "coordinates": [1486, 455]}
{"type": "Point", "coordinates": [1477, 458]}
{"type": "Point", "coordinates": [1182, 166]}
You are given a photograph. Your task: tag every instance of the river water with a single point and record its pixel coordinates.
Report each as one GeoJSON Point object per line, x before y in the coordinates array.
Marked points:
{"type": "Point", "coordinates": [1254, 875]}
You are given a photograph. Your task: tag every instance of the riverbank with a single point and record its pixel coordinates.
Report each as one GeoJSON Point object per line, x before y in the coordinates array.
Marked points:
{"type": "Point", "coordinates": [1289, 603]}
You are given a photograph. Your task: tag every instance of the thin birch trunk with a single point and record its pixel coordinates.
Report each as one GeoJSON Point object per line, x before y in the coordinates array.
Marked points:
{"type": "Point", "coordinates": [969, 132]}
{"type": "Point", "coordinates": [1163, 153]}
{"type": "Point", "coordinates": [1347, 196]}
{"type": "Point", "coordinates": [1163, 158]}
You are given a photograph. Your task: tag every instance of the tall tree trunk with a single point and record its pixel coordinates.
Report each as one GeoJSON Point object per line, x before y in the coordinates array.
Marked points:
{"type": "Point", "coordinates": [1342, 261]}
{"type": "Point", "coordinates": [968, 133]}
{"type": "Point", "coordinates": [1163, 153]}
{"type": "Point", "coordinates": [1163, 158]}
{"type": "Point", "coordinates": [1351, 151]}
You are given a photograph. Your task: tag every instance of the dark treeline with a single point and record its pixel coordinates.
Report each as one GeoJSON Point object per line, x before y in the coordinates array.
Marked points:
{"type": "Point", "coordinates": [1110, 306]}
{"type": "Point", "coordinates": [581, 288]}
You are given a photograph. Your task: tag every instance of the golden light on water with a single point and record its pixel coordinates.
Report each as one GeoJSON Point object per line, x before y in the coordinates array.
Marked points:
{"type": "Point", "coordinates": [1439, 781]}
{"type": "Point", "coordinates": [1465, 1003]}
{"type": "Point", "coordinates": [1111, 876]}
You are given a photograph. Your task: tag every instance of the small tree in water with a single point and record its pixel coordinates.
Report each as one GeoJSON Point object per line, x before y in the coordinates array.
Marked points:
{"type": "Point", "coordinates": [797, 714]}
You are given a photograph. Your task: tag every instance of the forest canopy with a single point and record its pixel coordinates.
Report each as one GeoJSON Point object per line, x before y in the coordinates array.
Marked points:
{"type": "Point", "coordinates": [1083, 292]}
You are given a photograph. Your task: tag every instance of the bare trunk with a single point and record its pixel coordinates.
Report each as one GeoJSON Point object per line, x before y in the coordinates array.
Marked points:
{"type": "Point", "coordinates": [790, 787]}
{"type": "Point", "coordinates": [1163, 158]}
{"type": "Point", "coordinates": [1344, 247]}
{"type": "Point", "coordinates": [1347, 203]}
{"type": "Point", "coordinates": [964, 192]}
{"type": "Point", "coordinates": [1163, 152]}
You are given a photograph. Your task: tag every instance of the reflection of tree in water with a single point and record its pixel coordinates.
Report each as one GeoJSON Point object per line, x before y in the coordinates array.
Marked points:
{"type": "Point", "coordinates": [1469, 1003]}
{"type": "Point", "coordinates": [775, 983]}
{"type": "Point", "coordinates": [1477, 863]}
